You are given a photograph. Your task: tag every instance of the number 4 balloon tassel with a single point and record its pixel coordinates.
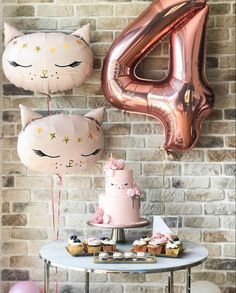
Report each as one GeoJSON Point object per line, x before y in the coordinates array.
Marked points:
{"type": "Point", "coordinates": [183, 99]}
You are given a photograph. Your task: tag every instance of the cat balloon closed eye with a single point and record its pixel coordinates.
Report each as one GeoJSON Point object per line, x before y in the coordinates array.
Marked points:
{"type": "Point", "coordinates": [61, 143]}
{"type": "Point", "coordinates": [47, 62]}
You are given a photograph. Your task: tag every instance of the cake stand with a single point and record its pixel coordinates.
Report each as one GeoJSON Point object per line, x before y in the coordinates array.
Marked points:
{"type": "Point", "coordinates": [118, 232]}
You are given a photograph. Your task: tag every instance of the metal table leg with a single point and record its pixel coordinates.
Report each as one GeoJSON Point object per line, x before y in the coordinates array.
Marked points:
{"type": "Point", "coordinates": [86, 282]}
{"type": "Point", "coordinates": [46, 277]}
{"type": "Point", "coordinates": [188, 281]}
{"type": "Point", "coordinates": [171, 282]}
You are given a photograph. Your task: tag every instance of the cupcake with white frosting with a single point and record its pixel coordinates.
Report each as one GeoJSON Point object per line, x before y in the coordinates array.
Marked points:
{"type": "Point", "coordinates": [108, 245]}
{"type": "Point", "coordinates": [94, 245]}
{"type": "Point", "coordinates": [155, 246]}
{"type": "Point", "coordinates": [139, 245]}
{"type": "Point", "coordinates": [173, 248]}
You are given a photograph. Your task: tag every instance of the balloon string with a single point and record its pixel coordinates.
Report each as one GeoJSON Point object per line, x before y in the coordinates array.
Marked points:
{"type": "Point", "coordinates": [57, 287]}
{"type": "Point", "coordinates": [49, 104]}
{"type": "Point", "coordinates": [59, 205]}
{"type": "Point", "coordinates": [58, 220]}
{"type": "Point", "coordinates": [53, 220]}
{"type": "Point", "coordinates": [163, 175]}
{"type": "Point", "coordinates": [53, 204]}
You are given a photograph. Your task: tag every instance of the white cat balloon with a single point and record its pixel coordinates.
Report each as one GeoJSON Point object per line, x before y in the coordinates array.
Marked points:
{"type": "Point", "coordinates": [47, 62]}
{"type": "Point", "coordinates": [61, 143]}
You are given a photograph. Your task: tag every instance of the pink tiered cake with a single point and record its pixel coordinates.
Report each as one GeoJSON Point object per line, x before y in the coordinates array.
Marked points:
{"type": "Point", "coordinates": [120, 204]}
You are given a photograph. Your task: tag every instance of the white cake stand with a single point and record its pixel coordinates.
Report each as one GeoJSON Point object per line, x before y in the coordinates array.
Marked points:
{"type": "Point", "coordinates": [118, 232]}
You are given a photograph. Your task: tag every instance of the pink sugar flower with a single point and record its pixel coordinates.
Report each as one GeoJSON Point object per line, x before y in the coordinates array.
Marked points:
{"type": "Point", "coordinates": [157, 235]}
{"type": "Point", "coordinates": [130, 192]}
{"type": "Point", "coordinates": [134, 192]}
{"type": "Point", "coordinates": [98, 218]}
{"type": "Point", "coordinates": [114, 164]}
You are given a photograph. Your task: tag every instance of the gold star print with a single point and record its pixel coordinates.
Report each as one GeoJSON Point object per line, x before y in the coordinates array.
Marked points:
{"type": "Point", "coordinates": [78, 42]}
{"type": "Point", "coordinates": [25, 45]}
{"type": "Point", "coordinates": [66, 139]}
{"type": "Point", "coordinates": [90, 135]}
{"type": "Point", "coordinates": [66, 46]}
{"type": "Point", "coordinates": [40, 130]}
{"type": "Point", "coordinates": [37, 49]}
{"type": "Point", "coordinates": [52, 135]}
{"type": "Point", "coordinates": [52, 50]}
{"type": "Point", "coordinates": [80, 139]}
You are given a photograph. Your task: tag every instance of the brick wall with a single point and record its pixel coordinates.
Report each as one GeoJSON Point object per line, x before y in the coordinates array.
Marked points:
{"type": "Point", "coordinates": [199, 185]}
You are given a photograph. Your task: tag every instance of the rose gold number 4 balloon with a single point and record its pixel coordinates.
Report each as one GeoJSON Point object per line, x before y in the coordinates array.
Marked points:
{"type": "Point", "coordinates": [184, 98]}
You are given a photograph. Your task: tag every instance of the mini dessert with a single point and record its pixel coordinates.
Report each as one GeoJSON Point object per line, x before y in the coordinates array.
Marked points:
{"type": "Point", "coordinates": [85, 243]}
{"type": "Point", "coordinates": [118, 255]}
{"type": "Point", "coordinates": [162, 240]}
{"type": "Point", "coordinates": [94, 245]}
{"type": "Point", "coordinates": [146, 239]}
{"type": "Point", "coordinates": [108, 245]}
{"type": "Point", "coordinates": [172, 248]}
{"type": "Point", "coordinates": [103, 256]}
{"type": "Point", "coordinates": [139, 245]}
{"type": "Point", "coordinates": [74, 245]}
{"type": "Point", "coordinates": [155, 246]}
{"type": "Point", "coordinates": [129, 255]}
{"type": "Point", "coordinates": [175, 239]}
{"type": "Point", "coordinates": [141, 255]}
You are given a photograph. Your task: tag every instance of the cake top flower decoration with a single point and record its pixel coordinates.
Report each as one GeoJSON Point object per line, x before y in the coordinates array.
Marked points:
{"type": "Point", "coordinates": [112, 165]}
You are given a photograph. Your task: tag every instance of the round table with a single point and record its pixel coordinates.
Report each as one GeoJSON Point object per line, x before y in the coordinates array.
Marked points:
{"type": "Point", "coordinates": [54, 254]}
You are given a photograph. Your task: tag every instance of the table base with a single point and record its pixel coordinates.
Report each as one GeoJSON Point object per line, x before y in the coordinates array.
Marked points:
{"type": "Point", "coordinates": [170, 288]}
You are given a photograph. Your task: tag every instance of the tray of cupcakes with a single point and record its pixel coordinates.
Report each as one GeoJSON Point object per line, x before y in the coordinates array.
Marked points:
{"type": "Point", "coordinates": [163, 245]}
{"type": "Point", "coordinates": [124, 257]}
{"type": "Point", "coordinates": [90, 246]}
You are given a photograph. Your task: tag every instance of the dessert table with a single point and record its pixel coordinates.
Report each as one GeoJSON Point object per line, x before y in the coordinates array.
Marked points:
{"type": "Point", "coordinates": [54, 254]}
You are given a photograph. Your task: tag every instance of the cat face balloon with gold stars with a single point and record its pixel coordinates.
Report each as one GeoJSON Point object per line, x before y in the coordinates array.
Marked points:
{"type": "Point", "coordinates": [47, 62]}
{"type": "Point", "coordinates": [61, 143]}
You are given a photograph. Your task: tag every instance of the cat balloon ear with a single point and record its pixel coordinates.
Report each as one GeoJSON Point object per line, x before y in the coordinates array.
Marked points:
{"type": "Point", "coordinates": [28, 115]}
{"type": "Point", "coordinates": [83, 33]}
{"type": "Point", "coordinates": [97, 115]}
{"type": "Point", "coordinates": [10, 33]}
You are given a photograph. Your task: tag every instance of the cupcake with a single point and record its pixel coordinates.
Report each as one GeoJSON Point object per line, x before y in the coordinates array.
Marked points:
{"type": "Point", "coordinates": [85, 243]}
{"type": "Point", "coordinates": [162, 239]}
{"type": "Point", "coordinates": [139, 245]}
{"type": "Point", "coordinates": [94, 245]}
{"type": "Point", "coordinates": [155, 246]}
{"type": "Point", "coordinates": [172, 248]}
{"type": "Point", "coordinates": [74, 245]}
{"type": "Point", "coordinates": [118, 255]}
{"type": "Point", "coordinates": [146, 239]}
{"type": "Point", "coordinates": [108, 245]}
{"type": "Point", "coordinates": [175, 239]}
{"type": "Point", "coordinates": [103, 256]}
